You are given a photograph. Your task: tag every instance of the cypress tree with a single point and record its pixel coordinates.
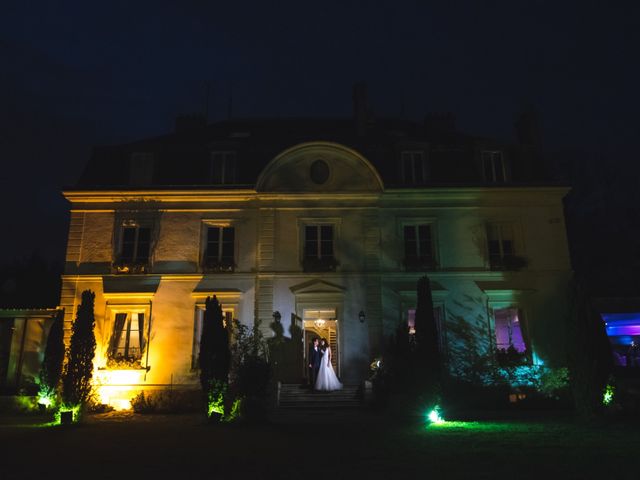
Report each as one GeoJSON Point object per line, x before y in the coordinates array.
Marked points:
{"type": "Point", "coordinates": [51, 369]}
{"type": "Point", "coordinates": [588, 354]}
{"type": "Point", "coordinates": [214, 359]}
{"type": "Point", "coordinates": [76, 379]}
{"type": "Point", "coordinates": [427, 348]}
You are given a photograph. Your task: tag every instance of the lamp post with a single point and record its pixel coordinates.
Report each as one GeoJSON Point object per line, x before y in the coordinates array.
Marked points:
{"type": "Point", "coordinates": [361, 316]}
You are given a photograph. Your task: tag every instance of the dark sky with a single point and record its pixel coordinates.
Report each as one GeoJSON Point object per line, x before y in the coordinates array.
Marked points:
{"type": "Point", "coordinates": [77, 74]}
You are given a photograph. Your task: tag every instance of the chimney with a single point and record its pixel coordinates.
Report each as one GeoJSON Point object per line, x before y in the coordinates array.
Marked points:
{"type": "Point", "coordinates": [361, 114]}
{"type": "Point", "coordinates": [190, 123]}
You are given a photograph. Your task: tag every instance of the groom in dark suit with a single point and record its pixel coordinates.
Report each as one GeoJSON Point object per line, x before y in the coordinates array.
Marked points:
{"type": "Point", "coordinates": [314, 357]}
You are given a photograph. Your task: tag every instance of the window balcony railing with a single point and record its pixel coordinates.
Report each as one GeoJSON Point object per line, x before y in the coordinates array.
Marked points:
{"type": "Point", "coordinates": [218, 265]}
{"type": "Point", "coordinates": [414, 264]}
{"type": "Point", "coordinates": [131, 266]}
{"type": "Point", "coordinates": [508, 262]}
{"type": "Point", "coordinates": [317, 264]}
{"type": "Point", "coordinates": [121, 362]}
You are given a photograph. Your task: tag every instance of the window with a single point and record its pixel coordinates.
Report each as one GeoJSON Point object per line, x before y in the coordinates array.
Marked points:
{"type": "Point", "coordinates": [437, 315]}
{"type": "Point", "coordinates": [509, 337]}
{"type": "Point", "coordinates": [135, 246]}
{"type": "Point", "coordinates": [418, 248]}
{"type": "Point", "coordinates": [318, 248]}
{"type": "Point", "coordinates": [501, 248]}
{"type": "Point", "coordinates": [223, 167]}
{"type": "Point", "coordinates": [493, 166]}
{"type": "Point", "coordinates": [127, 341]}
{"type": "Point", "coordinates": [141, 168]}
{"type": "Point", "coordinates": [197, 331]}
{"type": "Point", "coordinates": [414, 167]}
{"type": "Point", "coordinates": [219, 252]}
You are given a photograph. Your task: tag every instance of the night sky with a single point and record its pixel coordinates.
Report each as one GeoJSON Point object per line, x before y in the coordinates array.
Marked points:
{"type": "Point", "coordinates": [78, 74]}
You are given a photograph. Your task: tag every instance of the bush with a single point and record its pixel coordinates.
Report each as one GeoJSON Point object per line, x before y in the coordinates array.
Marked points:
{"type": "Point", "coordinates": [250, 373]}
{"type": "Point", "coordinates": [167, 401]}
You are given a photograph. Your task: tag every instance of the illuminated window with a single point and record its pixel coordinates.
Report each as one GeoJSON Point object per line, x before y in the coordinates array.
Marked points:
{"type": "Point", "coordinates": [197, 331]}
{"type": "Point", "coordinates": [414, 167]}
{"type": "Point", "coordinates": [219, 252]}
{"type": "Point", "coordinates": [141, 168]}
{"type": "Point", "coordinates": [135, 244]}
{"type": "Point", "coordinates": [127, 340]}
{"type": "Point", "coordinates": [493, 166]}
{"type": "Point", "coordinates": [508, 330]}
{"type": "Point", "coordinates": [222, 168]}
{"type": "Point", "coordinates": [418, 247]}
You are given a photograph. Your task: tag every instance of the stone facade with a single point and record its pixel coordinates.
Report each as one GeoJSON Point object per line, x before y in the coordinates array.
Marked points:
{"type": "Point", "coordinates": [370, 290]}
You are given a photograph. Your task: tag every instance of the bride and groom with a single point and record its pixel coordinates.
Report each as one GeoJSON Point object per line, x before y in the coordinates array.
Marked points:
{"type": "Point", "coordinates": [321, 374]}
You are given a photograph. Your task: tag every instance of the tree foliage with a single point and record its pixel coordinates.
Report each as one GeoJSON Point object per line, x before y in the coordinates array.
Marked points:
{"type": "Point", "coordinates": [51, 369]}
{"type": "Point", "coordinates": [214, 359]}
{"type": "Point", "coordinates": [78, 371]}
{"type": "Point", "coordinates": [428, 359]}
{"type": "Point", "coordinates": [589, 354]}
{"type": "Point", "coordinates": [251, 371]}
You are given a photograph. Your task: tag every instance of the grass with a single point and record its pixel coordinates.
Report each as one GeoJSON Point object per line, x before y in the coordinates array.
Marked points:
{"type": "Point", "coordinates": [370, 446]}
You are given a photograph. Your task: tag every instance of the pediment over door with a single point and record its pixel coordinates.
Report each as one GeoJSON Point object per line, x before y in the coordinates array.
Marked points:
{"type": "Point", "coordinates": [313, 287]}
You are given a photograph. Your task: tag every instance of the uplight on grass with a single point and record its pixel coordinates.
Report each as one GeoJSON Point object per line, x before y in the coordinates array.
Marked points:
{"type": "Point", "coordinates": [435, 417]}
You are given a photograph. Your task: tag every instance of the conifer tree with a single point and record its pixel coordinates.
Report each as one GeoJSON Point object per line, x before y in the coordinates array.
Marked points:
{"type": "Point", "coordinates": [427, 348]}
{"type": "Point", "coordinates": [51, 369]}
{"type": "Point", "coordinates": [214, 359]}
{"type": "Point", "coordinates": [78, 371]}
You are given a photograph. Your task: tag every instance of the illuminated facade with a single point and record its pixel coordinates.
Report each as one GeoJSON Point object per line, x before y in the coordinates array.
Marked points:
{"type": "Point", "coordinates": [323, 224]}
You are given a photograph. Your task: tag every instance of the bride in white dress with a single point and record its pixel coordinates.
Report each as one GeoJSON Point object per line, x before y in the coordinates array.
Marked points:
{"type": "Point", "coordinates": [327, 379]}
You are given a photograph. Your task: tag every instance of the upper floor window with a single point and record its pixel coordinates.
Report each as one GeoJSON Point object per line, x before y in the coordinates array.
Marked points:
{"type": "Point", "coordinates": [501, 247]}
{"type": "Point", "coordinates": [135, 246]}
{"type": "Point", "coordinates": [127, 339]}
{"type": "Point", "coordinates": [219, 251]}
{"type": "Point", "coordinates": [318, 248]}
{"type": "Point", "coordinates": [141, 168]}
{"type": "Point", "coordinates": [493, 166]}
{"type": "Point", "coordinates": [418, 247]}
{"type": "Point", "coordinates": [414, 167]}
{"type": "Point", "coordinates": [222, 168]}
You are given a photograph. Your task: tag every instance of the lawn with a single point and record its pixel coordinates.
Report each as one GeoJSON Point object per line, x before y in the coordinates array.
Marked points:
{"type": "Point", "coordinates": [363, 446]}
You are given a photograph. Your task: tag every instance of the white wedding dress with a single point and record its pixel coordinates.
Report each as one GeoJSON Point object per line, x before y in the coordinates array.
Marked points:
{"type": "Point", "coordinates": [327, 379]}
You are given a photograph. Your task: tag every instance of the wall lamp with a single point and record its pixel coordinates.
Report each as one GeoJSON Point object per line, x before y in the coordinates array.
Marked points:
{"type": "Point", "coordinates": [361, 316]}
{"type": "Point", "coordinates": [277, 316]}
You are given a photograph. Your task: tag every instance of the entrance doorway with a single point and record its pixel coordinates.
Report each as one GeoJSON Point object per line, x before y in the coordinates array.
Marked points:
{"type": "Point", "coordinates": [322, 323]}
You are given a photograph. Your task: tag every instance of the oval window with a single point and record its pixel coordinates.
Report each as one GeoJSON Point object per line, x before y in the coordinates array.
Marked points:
{"type": "Point", "coordinates": [319, 172]}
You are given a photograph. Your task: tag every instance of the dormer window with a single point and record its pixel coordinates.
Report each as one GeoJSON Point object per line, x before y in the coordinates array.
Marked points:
{"type": "Point", "coordinates": [141, 168]}
{"type": "Point", "coordinates": [414, 167]}
{"type": "Point", "coordinates": [222, 168]}
{"type": "Point", "coordinates": [493, 166]}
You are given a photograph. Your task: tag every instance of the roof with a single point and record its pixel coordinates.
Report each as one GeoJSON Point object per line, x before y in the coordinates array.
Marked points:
{"type": "Point", "coordinates": [183, 158]}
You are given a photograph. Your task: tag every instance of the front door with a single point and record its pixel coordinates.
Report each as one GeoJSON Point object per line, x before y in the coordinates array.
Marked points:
{"type": "Point", "coordinates": [322, 323]}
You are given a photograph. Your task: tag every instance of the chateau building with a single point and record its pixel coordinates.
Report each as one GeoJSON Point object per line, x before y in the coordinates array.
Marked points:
{"type": "Point", "coordinates": [323, 224]}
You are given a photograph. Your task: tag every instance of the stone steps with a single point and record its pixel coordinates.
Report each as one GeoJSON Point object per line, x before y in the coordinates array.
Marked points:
{"type": "Point", "coordinates": [296, 398]}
